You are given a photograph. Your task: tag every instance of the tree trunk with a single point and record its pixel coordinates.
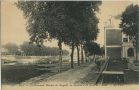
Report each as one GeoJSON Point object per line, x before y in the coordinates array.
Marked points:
{"type": "Point", "coordinates": [60, 55]}
{"type": "Point", "coordinates": [78, 55]}
{"type": "Point", "coordinates": [72, 52]}
{"type": "Point", "coordinates": [137, 46]}
{"type": "Point", "coordinates": [86, 57]}
{"type": "Point", "coordinates": [94, 58]}
{"type": "Point", "coordinates": [82, 57]}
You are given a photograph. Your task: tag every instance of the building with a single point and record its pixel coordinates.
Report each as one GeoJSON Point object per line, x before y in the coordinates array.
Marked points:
{"type": "Point", "coordinates": [128, 50]}
{"type": "Point", "coordinates": [118, 44]}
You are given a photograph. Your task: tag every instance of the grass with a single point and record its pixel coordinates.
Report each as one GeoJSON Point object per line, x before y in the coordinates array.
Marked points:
{"type": "Point", "coordinates": [14, 74]}
{"type": "Point", "coordinates": [18, 73]}
{"type": "Point", "coordinates": [116, 65]}
{"type": "Point", "coordinates": [131, 77]}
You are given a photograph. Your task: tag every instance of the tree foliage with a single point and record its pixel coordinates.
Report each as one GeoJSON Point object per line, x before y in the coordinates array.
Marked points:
{"type": "Point", "coordinates": [73, 22]}
{"type": "Point", "coordinates": [93, 48]}
{"type": "Point", "coordinates": [129, 20]}
{"type": "Point", "coordinates": [33, 50]}
{"type": "Point", "coordinates": [12, 48]}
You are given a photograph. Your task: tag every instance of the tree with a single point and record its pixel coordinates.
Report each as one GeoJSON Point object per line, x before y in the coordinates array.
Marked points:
{"type": "Point", "coordinates": [45, 21]}
{"type": "Point", "coordinates": [33, 50]}
{"type": "Point", "coordinates": [129, 24]}
{"type": "Point", "coordinates": [30, 49]}
{"type": "Point", "coordinates": [82, 24]}
{"type": "Point", "coordinates": [89, 27]}
{"type": "Point", "coordinates": [92, 48]}
{"type": "Point", "coordinates": [57, 25]}
{"type": "Point", "coordinates": [12, 48]}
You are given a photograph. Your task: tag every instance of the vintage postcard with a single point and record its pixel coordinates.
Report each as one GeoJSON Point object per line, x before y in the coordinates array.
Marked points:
{"type": "Point", "coordinates": [73, 44]}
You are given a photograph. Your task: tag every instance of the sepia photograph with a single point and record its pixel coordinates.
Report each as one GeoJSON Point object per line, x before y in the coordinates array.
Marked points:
{"type": "Point", "coordinates": [73, 43]}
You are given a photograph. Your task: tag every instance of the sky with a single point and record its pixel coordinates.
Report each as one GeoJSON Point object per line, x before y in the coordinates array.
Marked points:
{"type": "Point", "coordinates": [13, 24]}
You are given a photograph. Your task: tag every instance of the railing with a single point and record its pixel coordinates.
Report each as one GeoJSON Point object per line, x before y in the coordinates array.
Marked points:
{"type": "Point", "coordinates": [104, 67]}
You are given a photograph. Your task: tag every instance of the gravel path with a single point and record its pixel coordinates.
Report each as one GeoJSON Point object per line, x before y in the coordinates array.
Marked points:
{"type": "Point", "coordinates": [69, 77]}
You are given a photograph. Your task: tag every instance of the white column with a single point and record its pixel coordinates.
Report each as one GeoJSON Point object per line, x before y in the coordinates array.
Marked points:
{"type": "Point", "coordinates": [105, 43]}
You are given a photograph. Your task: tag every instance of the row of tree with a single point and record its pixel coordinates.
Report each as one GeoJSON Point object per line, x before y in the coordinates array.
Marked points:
{"type": "Point", "coordinates": [31, 50]}
{"type": "Point", "coordinates": [73, 23]}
